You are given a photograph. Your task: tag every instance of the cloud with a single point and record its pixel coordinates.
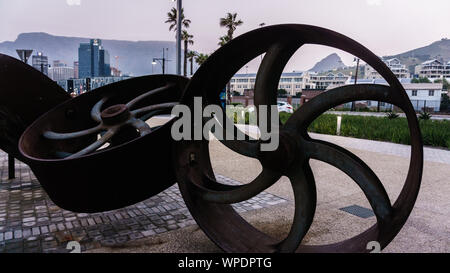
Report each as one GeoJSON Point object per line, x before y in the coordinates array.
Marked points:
{"type": "Point", "coordinates": [374, 2]}
{"type": "Point", "coordinates": [73, 2]}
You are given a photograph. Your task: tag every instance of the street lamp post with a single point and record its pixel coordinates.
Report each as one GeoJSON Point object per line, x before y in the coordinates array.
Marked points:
{"type": "Point", "coordinates": [162, 61]}
{"type": "Point", "coordinates": [24, 54]}
{"type": "Point", "coordinates": [356, 80]}
{"type": "Point", "coordinates": [179, 9]}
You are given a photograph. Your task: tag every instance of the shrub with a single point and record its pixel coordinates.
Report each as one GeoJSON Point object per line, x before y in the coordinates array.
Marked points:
{"type": "Point", "coordinates": [392, 115]}
{"type": "Point", "coordinates": [424, 116]}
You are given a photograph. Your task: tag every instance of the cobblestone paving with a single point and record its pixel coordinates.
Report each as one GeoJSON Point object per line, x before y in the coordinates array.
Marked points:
{"type": "Point", "coordinates": [30, 222]}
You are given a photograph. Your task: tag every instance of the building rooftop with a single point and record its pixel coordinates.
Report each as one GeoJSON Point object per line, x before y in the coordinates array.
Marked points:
{"type": "Point", "coordinates": [431, 61]}
{"type": "Point", "coordinates": [253, 75]}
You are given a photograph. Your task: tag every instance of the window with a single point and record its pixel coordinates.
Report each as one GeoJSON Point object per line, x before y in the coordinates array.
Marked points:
{"type": "Point", "coordinates": [414, 93]}
{"type": "Point", "coordinates": [431, 93]}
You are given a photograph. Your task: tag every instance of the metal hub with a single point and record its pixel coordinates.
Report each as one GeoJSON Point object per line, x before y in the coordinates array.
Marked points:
{"type": "Point", "coordinates": [115, 114]}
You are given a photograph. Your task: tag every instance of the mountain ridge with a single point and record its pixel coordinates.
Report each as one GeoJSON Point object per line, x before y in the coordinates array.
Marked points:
{"type": "Point", "coordinates": [135, 57]}
{"type": "Point", "coordinates": [331, 62]}
{"type": "Point", "coordinates": [439, 50]}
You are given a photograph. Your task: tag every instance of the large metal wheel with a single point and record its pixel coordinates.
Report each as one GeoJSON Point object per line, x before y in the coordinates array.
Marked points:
{"type": "Point", "coordinates": [209, 201]}
{"type": "Point", "coordinates": [96, 152]}
{"type": "Point", "coordinates": [25, 94]}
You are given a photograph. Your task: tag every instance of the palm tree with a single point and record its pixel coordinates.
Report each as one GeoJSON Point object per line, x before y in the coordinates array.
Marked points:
{"type": "Point", "coordinates": [223, 40]}
{"type": "Point", "coordinates": [187, 38]}
{"type": "Point", "coordinates": [191, 55]}
{"type": "Point", "coordinates": [172, 20]}
{"type": "Point", "coordinates": [230, 22]}
{"type": "Point", "coordinates": [201, 58]}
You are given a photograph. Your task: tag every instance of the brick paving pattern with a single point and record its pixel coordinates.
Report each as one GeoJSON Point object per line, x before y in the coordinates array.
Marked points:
{"type": "Point", "coordinates": [30, 222]}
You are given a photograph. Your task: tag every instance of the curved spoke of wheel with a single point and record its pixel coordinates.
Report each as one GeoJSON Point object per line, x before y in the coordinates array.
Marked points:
{"type": "Point", "coordinates": [94, 146]}
{"type": "Point", "coordinates": [306, 114]}
{"type": "Point", "coordinates": [63, 136]}
{"type": "Point", "coordinates": [354, 167]}
{"type": "Point", "coordinates": [304, 187]}
{"type": "Point", "coordinates": [131, 103]}
{"type": "Point", "coordinates": [235, 194]}
{"type": "Point", "coordinates": [161, 106]}
{"type": "Point", "coordinates": [141, 125]}
{"type": "Point", "coordinates": [237, 141]}
{"type": "Point", "coordinates": [96, 110]}
{"type": "Point", "coordinates": [268, 77]}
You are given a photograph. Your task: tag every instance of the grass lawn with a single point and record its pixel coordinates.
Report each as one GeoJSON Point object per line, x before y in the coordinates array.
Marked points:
{"type": "Point", "coordinates": [434, 132]}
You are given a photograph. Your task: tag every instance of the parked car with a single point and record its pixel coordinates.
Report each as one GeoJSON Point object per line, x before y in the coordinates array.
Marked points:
{"type": "Point", "coordinates": [285, 107]}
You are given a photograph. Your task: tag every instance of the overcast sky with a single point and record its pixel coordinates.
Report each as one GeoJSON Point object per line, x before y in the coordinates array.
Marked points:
{"type": "Point", "coordinates": [385, 26]}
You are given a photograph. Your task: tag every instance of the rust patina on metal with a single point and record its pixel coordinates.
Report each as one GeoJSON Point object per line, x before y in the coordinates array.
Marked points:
{"type": "Point", "coordinates": [95, 152]}
{"type": "Point", "coordinates": [209, 201]}
{"type": "Point", "coordinates": [25, 94]}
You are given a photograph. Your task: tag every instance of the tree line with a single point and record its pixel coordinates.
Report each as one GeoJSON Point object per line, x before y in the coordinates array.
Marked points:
{"type": "Point", "coordinates": [229, 21]}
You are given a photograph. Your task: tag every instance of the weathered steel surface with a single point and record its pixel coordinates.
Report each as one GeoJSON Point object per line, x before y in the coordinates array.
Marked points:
{"type": "Point", "coordinates": [67, 148]}
{"type": "Point", "coordinates": [209, 201]}
{"type": "Point", "coordinates": [25, 94]}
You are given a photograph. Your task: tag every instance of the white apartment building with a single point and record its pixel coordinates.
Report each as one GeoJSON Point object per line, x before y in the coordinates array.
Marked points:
{"type": "Point", "coordinates": [424, 95]}
{"type": "Point", "coordinates": [292, 82]}
{"type": "Point", "coordinates": [433, 70]}
{"type": "Point", "coordinates": [322, 81]}
{"type": "Point", "coordinates": [394, 64]}
{"type": "Point", "coordinates": [421, 95]}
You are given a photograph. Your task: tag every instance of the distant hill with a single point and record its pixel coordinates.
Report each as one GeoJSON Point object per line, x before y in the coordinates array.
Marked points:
{"type": "Point", "coordinates": [331, 62]}
{"type": "Point", "coordinates": [438, 50]}
{"type": "Point", "coordinates": [134, 57]}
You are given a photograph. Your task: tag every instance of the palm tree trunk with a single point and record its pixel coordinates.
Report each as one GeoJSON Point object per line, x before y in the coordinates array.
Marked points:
{"type": "Point", "coordinates": [185, 57]}
{"type": "Point", "coordinates": [192, 65]}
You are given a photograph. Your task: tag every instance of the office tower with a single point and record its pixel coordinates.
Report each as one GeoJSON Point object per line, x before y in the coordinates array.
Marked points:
{"type": "Point", "coordinates": [104, 65]}
{"type": "Point", "coordinates": [93, 60]}
{"type": "Point", "coordinates": [40, 62]}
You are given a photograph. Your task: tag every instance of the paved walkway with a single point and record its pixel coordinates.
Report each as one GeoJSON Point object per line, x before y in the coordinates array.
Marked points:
{"type": "Point", "coordinates": [31, 222]}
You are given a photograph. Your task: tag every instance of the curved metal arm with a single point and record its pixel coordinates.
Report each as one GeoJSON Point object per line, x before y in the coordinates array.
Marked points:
{"type": "Point", "coordinates": [146, 109]}
{"type": "Point", "coordinates": [94, 146]}
{"type": "Point", "coordinates": [236, 194]}
{"type": "Point", "coordinates": [141, 125]}
{"type": "Point", "coordinates": [63, 136]}
{"type": "Point", "coordinates": [96, 110]}
{"type": "Point", "coordinates": [132, 102]}
{"type": "Point", "coordinates": [354, 167]}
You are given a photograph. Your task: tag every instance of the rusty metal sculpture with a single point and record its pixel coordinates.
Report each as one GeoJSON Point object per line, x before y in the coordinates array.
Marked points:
{"type": "Point", "coordinates": [209, 201]}
{"type": "Point", "coordinates": [95, 152]}
{"type": "Point", "coordinates": [90, 153]}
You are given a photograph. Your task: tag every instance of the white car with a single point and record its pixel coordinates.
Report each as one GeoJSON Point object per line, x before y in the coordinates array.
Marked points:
{"type": "Point", "coordinates": [285, 107]}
